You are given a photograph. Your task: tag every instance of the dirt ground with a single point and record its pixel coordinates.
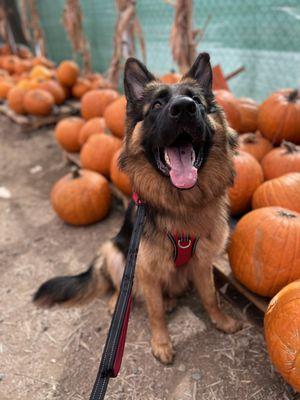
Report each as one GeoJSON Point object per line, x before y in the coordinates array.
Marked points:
{"type": "Point", "coordinates": [53, 354]}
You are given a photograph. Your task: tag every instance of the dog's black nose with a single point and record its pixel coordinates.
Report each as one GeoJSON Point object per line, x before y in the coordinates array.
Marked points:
{"type": "Point", "coordinates": [183, 105]}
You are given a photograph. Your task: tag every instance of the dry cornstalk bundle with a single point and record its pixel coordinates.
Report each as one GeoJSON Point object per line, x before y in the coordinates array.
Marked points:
{"type": "Point", "coordinates": [72, 21]}
{"type": "Point", "coordinates": [184, 38]}
{"type": "Point", "coordinates": [25, 21]}
{"type": "Point", "coordinates": [127, 26]}
{"type": "Point", "coordinates": [38, 38]}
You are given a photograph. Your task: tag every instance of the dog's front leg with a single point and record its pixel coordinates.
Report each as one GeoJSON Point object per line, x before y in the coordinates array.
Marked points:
{"type": "Point", "coordinates": [204, 282]}
{"type": "Point", "coordinates": [160, 340]}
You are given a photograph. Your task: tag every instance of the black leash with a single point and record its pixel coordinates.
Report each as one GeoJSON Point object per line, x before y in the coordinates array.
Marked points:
{"type": "Point", "coordinates": [113, 351]}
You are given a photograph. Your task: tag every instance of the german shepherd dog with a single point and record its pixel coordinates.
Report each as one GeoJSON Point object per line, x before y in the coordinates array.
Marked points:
{"type": "Point", "coordinates": [178, 154]}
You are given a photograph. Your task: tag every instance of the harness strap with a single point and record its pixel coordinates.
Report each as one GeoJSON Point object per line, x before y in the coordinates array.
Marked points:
{"type": "Point", "coordinates": [184, 247]}
{"type": "Point", "coordinates": [114, 347]}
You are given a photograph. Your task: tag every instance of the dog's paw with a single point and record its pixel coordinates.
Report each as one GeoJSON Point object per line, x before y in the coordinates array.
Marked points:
{"type": "Point", "coordinates": [163, 351]}
{"type": "Point", "coordinates": [228, 324]}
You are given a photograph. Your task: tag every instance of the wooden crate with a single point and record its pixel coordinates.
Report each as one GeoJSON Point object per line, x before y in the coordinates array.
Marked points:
{"type": "Point", "coordinates": [28, 123]}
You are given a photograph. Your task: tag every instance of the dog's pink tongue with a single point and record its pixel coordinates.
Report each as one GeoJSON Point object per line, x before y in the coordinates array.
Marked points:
{"type": "Point", "coordinates": [183, 174]}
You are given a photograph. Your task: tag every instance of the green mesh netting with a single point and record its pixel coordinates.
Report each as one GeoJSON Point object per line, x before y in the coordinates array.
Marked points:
{"type": "Point", "coordinates": [262, 35]}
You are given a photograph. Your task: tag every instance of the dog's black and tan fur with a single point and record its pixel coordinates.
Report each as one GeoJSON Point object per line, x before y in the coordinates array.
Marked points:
{"type": "Point", "coordinates": [159, 117]}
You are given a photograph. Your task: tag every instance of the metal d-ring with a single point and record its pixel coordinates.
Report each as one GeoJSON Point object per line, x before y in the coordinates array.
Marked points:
{"type": "Point", "coordinates": [186, 246]}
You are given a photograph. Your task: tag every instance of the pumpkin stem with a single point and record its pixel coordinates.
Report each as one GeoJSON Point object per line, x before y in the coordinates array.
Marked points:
{"type": "Point", "coordinates": [286, 214]}
{"type": "Point", "coordinates": [75, 172]}
{"type": "Point", "coordinates": [292, 97]}
{"type": "Point", "coordinates": [250, 138]}
{"type": "Point", "coordinates": [289, 146]}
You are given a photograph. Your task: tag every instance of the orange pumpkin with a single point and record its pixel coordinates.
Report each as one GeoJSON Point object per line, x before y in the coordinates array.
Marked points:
{"type": "Point", "coordinates": [279, 116]}
{"type": "Point", "coordinates": [264, 250]}
{"type": "Point", "coordinates": [170, 77]}
{"type": "Point", "coordinates": [22, 66]}
{"type": "Point", "coordinates": [40, 72]}
{"type": "Point", "coordinates": [248, 177]}
{"type": "Point", "coordinates": [67, 133]}
{"type": "Point", "coordinates": [282, 192]}
{"type": "Point", "coordinates": [9, 63]}
{"type": "Point", "coordinates": [282, 160]}
{"type": "Point", "coordinates": [55, 89]}
{"type": "Point", "coordinates": [248, 109]}
{"type": "Point", "coordinates": [91, 127]}
{"type": "Point", "coordinates": [254, 144]}
{"type": "Point", "coordinates": [67, 73]}
{"type": "Point", "coordinates": [38, 102]}
{"type": "Point", "coordinates": [282, 324]}
{"type": "Point", "coordinates": [114, 116]}
{"type": "Point", "coordinates": [15, 100]}
{"type": "Point", "coordinates": [81, 198]}
{"type": "Point", "coordinates": [118, 177]}
{"type": "Point", "coordinates": [94, 102]}
{"type": "Point", "coordinates": [229, 104]}
{"type": "Point", "coordinates": [41, 60]}
{"type": "Point", "coordinates": [5, 86]}
{"type": "Point", "coordinates": [80, 87]}
{"type": "Point", "coordinates": [96, 154]}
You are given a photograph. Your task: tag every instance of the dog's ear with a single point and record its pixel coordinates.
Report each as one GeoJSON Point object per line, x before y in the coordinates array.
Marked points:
{"type": "Point", "coordinates": [136, 77]}
{"type": "Point", "coordinates": [201, 72]}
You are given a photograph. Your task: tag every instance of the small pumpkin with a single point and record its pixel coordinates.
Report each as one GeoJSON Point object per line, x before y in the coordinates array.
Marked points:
{"type": "Point", "coordinates": [91, 127]}
{"type": "Point", "coordinates": [80, 87]}
{"type": "Point", "coordinates": [282, 192]}
{"type": "Point", "coordinates": [248, 109]}
{"type": "Point", "coordinates": [170, 77]}
{"type": "Point", "coordinates": [114, 115]}
{"type": "Point", "coordinates": [40, 72]}
{"type": "Point", "coordinates": [67, 73]}
{"type": "Point", "coordinates": [5, 86]}
{"type": "Point", "coordinates": [41, 60]}
{"type": "Point", "coordinates": [96, 154]}
{"type": "Point", "coordinates": [279, 116]}
{"type": "Point", "coordinates": [229, 104]}
{"type": "Point", "coordinates": [67, 133]}
{"type": "Point", "coordinates": [282, 160]}
{"type": "Point", "coordinates": [81, 197]}
{"type": "Point", "coordinates": [15, 100]}
{"type": "Point", "coordinates": [264, 250]}
{"type": "Point", "coordinates": [38, 102]}
{"type": "Point", "coordinates": [9, 63]}
{"type": "Point", "coordinates": [248, 177]}
{"type": "Point", "coordinates": [282, 325]}
{"type": "Point", "coordinates": [118, 177]}
{"type": "Point", "coordinates": [54, 88]}
{"type": "Point", "coordinates": [254, 144]}
{"type": "Point", "coordinates": [94, 102]}
{"type": "Point", "coordinates": [22, 66]}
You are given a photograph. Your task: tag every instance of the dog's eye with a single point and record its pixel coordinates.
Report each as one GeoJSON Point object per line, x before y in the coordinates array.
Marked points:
{"type": "Point", "coordinates": [157, 105]}
{"type": "Point", "coordinates": [196, 99]}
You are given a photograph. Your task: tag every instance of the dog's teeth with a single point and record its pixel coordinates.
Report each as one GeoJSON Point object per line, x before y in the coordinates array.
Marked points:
{"type": "Point", "coordinates": [167, 159]}
{"type": "Point", "coordinates": [193, 156]}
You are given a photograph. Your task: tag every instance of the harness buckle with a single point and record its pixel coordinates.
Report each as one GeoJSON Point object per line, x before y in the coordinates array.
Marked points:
{"type": "Point", "coordinates": [184, 246]}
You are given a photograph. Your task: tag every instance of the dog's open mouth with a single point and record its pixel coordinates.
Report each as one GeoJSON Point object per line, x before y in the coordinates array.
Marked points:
{"type": "Point", "coordinates": [180, 162]}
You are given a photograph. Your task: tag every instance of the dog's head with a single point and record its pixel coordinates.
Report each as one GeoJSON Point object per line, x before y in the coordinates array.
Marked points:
{"type": "Point", "coordinates": [173, 130]}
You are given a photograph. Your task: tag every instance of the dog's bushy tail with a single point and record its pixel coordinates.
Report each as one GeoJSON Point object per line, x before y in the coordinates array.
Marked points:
{"type": "Point", "coordinates": [76, 289]}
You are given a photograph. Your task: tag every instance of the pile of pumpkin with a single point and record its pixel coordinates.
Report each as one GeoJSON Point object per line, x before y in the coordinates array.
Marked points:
{"type": "Point", "coordinates": [264, 250]}
{"type": "Point", "coordinates": [33, 85]}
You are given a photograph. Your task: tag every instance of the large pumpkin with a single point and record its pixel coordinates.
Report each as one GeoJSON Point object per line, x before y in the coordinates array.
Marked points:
{"type": "Point", "coordinates": [264, 250]}
{"type": "Point", "coordinates": [254, 144]}
{"type": "Point", "coordinates": [67, 73]}
{"type": "Point", "coordinates": [15, 100]}
{"type": "Point", "coordinates": [94, 102]}
{"type": "Point", "coordinates": [282, 160]}
{"type": "Point", "coordinates": [118, 177]}
{"type": "Point", "coordinates": [67, 133]}
{"type": "Point", "coordinates": [282, 192]}
{"type": "Point", "coordinates": [81, 198]}
{"type": "Point", "coordinates": [114, 116]}
{"type": "Point", "coordinates": [282, 326]}
{"type": "Point", "coordinates": [96, 154]}
{"type": "Point", "coordinates": [38, 102]}
{"type": "Point", "coordinates": [248, 177]}
{"type": "Point", "coordinates": [279, 116]}
{"type": "Point", "coordinates": [229, 104]}
{"type": "Point", "coordinates": [248, 109]}
{"type": "Point", "coordinates": [80, 87]}
{"type": "Point", "coordinates": [91, 127]}
{"type": "Point", "coordinates": [55, 89]}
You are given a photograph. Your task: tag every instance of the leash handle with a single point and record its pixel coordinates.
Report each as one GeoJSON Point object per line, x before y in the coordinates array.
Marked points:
{"type": "Point", "coordinates": [113, 350]}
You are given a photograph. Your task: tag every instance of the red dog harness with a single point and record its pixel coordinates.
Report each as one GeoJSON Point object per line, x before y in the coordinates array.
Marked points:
{"type": "Point", "coordinates": [184, 248]}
